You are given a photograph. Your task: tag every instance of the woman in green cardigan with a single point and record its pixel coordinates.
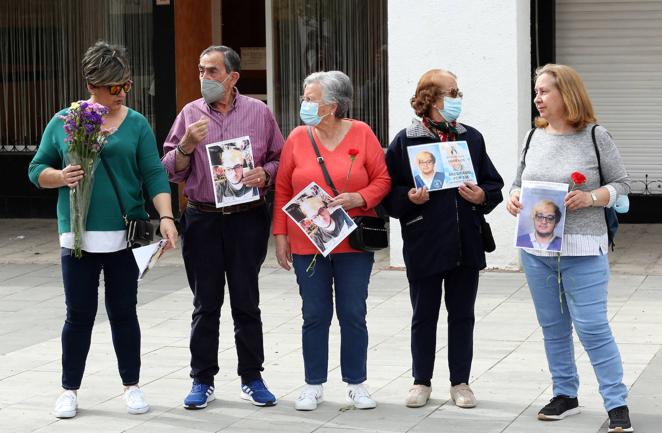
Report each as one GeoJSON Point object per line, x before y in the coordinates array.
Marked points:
{"type": "Point", "coordinates": [131, 154]}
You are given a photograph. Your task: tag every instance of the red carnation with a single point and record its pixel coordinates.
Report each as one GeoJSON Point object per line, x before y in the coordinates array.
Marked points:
{"type": "Point", "coordinates": [353, 152]}
{"type": "Point", "coordinates": [578, 178]}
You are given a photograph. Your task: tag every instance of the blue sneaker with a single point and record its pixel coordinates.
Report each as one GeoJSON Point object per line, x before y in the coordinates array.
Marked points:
{"type": "Point", "coordinates": [199, 396]}
{"type": "Point", "coordinates": [256, 391]}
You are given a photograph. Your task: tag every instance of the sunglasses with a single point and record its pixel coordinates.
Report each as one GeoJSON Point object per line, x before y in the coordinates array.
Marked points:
{"type": "Point", "coordinates": [116, 89]}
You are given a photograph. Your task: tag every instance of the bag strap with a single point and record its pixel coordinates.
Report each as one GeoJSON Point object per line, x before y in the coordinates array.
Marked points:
{"type": "Point", "coordinates": [115, 188]}
{"type": "Point", "coordinates": [528, 141]}
{"type": "Point", "coordinates": [597, 153]}
{"type": "Point", "coordinates": [321, 161]}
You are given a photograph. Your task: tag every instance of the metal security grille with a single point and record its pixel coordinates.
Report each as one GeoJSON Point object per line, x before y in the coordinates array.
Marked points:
{"type": "Point", "coordinates": [322, 35]}
{"type": "Point", "coordinates": [616, 46]}
{"type": "Point", "coordinates": [42, 43]}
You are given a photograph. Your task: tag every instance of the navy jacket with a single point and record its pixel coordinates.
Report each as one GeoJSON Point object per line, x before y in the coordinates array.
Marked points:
{"type": "Point", "coordinates": [444, 232]}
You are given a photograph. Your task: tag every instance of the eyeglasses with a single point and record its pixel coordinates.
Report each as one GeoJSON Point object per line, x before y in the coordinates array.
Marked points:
{"type": "Point", "coordinates": [453, 93]}
{"type": "Point", "coordinates": [546, 218]}
{"type": "Point", "coordinates": [426, 162]}
{"type": "Point", "coordinates": [116, 89]}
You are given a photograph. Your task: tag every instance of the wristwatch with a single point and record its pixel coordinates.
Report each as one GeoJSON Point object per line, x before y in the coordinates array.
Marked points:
{"type": "Point", "coordinates": [594, 198]}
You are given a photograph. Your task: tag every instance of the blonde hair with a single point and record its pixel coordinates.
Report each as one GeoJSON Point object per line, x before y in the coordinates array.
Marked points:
{"type": "Point", "coordinates": [578, 107]}
{"type": "Point", "coordinates": [422, 153]}
{"type": "Point", "coordinates": [311, 205]}
{"type": "Point", "coordinates": [547, 203]}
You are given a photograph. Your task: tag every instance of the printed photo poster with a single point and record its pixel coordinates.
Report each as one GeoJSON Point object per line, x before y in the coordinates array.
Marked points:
{"type": "Point", "coordinates": [441, 165]}
{"type": "Point", "coordinates": [325, 227]}
{"type": "Point", "coordinates": [457, 164]}
{"type": "Point", "coordinates": [229, 161]}
{"type": "Point", "coordinates": [541, 221]}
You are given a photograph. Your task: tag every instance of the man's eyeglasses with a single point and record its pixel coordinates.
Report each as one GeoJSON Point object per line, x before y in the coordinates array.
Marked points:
{"type": "Point", "coordinates": [546, 218]}
{"type": "Point", "coordinates": [116, 89]}
{"type": "Point", "coordinates": [453, 93]}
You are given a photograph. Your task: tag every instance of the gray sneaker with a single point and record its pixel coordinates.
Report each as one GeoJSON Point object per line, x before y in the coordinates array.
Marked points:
{"type": "Point", "coordinates": [463, 396]}
{"type": "Point", "coordinates": [418, 396]}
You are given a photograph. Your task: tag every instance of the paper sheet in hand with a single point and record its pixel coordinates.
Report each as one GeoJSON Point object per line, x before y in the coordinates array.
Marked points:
{"type": "Point", "coordinates": [325, 227]}
{"type": "Point", "coordinates": [147, 256]}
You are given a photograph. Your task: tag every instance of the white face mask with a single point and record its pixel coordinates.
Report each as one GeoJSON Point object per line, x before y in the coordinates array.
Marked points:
{"type": "Point", "coordinates": [212, 90]}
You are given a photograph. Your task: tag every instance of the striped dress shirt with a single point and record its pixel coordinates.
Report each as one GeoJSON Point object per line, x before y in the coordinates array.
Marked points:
{"type": "Point", "coordinates": [247, 116]}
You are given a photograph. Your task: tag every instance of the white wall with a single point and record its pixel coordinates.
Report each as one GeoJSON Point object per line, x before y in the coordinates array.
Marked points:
{"type": "Point", "coordinates": [487, 44]}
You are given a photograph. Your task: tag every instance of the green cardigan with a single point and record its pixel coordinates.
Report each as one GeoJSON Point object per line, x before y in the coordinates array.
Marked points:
{"type": "Point", "coordinates": [132, 156]}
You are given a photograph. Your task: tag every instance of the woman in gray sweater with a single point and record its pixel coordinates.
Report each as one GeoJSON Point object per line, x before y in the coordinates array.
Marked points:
{"type": "Point", "coordinates": [561, 144]}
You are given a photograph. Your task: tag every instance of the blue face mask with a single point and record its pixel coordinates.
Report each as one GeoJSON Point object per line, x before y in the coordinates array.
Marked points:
{"type": "Point", "coordinates": [452, 109]}
{"type": "Point", "coordinates": [622, 204]}
{"type": "Point", "coordinates": [308, 113]}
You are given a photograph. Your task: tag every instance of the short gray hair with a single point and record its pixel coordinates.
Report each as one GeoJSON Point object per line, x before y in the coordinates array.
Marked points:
{"type": "Point", "coordinates": [336, 88]}
{"type": "Point", "coordinates": [104, 64]}
{"type": "Point", "coordinates": [230, 57]}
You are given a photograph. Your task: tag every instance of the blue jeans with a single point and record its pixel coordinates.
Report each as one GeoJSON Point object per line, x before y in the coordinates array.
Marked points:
{"type": "Point", "coordinates": [584, 282]}
{"type": "Point", "coordinates": [350, 274]}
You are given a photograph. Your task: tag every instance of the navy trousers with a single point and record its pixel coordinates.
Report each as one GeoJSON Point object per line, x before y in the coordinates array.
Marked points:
{"type": "Point", "coordinates": [81, 284]}
{"type": "Point", "coordinates": [461, 286]}
{"type": "Point", "coordinates": [215, 247]}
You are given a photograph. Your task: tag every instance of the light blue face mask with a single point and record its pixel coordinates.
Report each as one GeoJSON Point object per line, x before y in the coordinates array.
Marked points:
{"type": "Point", "coordinates": [308, 113]}
{"type": "Point", "coordinates": [622, 204]}
{"type": "Point", "coordinates": [452, 109]}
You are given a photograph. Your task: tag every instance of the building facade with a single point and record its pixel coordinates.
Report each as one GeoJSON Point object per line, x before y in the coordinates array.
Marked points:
{"type": "Point", "coordinates": [383, 45]}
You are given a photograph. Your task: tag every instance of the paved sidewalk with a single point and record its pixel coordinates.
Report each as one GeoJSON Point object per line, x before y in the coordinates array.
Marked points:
{"type": "Point", "coordinates": [509, 373]}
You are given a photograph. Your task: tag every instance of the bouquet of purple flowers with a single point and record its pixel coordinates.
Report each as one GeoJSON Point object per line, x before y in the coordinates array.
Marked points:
{"type": "Point", "coordinates": [85, 139]}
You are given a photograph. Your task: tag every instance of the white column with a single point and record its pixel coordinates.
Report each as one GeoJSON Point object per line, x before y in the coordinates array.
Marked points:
{"type": "Point", "coordinates": [487, 44]}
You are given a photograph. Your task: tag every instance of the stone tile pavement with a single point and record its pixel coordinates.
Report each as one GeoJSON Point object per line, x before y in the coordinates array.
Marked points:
{"type": "Point", "coordinates": [509, 373]}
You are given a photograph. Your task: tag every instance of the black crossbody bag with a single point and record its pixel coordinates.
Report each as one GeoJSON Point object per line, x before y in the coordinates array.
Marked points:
{"type": "Point", "coordinates": [138, 232]}
{"type": "Point", "coordinates": [370, 233]}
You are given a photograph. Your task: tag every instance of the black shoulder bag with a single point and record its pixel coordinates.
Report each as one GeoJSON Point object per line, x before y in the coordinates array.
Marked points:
{"type": "Point", "coordinates": [138, 232]}
{"type": "Point", "coordinates": [610, 213]}
{"type": "Point", "coordinates": [370, 233]}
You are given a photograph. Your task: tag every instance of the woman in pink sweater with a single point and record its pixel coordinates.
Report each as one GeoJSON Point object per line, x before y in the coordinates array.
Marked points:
{"type": "Point", "coordinates": [325, 103]}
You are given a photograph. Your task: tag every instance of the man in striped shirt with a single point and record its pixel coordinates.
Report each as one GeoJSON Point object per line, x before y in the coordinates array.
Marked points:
{"type": "Point", "coordinates": [228, 242]}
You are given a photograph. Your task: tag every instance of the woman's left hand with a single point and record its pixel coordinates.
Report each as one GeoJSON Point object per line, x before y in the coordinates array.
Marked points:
{"type": "Point", "coordinates": [578, 199]}
{"type": "Point", "coordinates": [472, 193]}
{"type": "Point", "coordinates": [348, 200]}
{"type": "Point", "coordinates": [169, 232]}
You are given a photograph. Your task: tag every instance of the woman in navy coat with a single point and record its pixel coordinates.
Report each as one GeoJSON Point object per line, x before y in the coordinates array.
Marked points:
{"type": "Point", "coordinates": [442, 237]}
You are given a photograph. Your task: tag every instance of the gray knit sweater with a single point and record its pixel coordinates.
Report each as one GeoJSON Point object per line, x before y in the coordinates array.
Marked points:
{"type": "Point", "coordinates": [553, 157]}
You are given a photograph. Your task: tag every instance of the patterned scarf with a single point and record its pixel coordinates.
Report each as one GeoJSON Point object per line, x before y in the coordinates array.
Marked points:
{"type": "Point", "coordinates": [446, 131]}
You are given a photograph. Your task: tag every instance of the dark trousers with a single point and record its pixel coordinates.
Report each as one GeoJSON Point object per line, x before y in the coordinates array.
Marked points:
{"type": "Point", "coordinates": [81, 284]}
{"type": "Point", "coordinates": [215, 247]}
{"type": "Point", "coordinates": [461, 285]}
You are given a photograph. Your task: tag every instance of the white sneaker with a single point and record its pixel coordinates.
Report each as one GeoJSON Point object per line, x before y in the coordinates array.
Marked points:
{"type": "Point", "coordinates": [359, 396]}
{"type": "Point", "coordinates": [66, 405]}
{"type": "Point", "coordinates": [310, 397]}
{"type": "Point", "coordinates": [135, 400]}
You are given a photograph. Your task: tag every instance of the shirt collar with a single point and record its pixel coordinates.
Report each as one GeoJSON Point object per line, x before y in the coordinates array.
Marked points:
{"type": "Point", "coordinates": [235, 102]}
{"type": "Point", "coordinates": [417, 130]}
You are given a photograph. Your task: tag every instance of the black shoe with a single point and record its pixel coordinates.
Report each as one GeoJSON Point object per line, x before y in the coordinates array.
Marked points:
{"type": "Point", "coordinates": [558, 408]}
{"type": "Point", "coordinates": [619, 420]}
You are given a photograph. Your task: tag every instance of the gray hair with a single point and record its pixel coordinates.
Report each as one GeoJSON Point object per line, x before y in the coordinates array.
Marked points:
{"type": "Point", "coordinates": [336, 88]}
{"type": "Point", "coordinates": [105, 64]}
{"type": "Point", "coordinates": [230, 57]}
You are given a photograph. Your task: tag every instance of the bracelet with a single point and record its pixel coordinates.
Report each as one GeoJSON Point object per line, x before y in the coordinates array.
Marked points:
{"type": "Point", "coordinates": [180, 150]}
{"type": "Point", "coordinates": [166, 218]}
